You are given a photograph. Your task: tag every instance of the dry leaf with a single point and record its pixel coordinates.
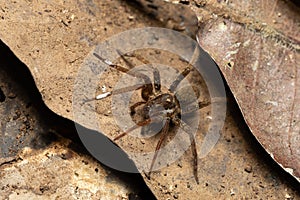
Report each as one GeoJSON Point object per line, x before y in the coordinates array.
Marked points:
{"type": "Point", "coordinates": [256, 45]}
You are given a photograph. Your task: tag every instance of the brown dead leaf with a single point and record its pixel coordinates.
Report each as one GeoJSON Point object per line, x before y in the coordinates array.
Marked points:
{"type": "Point", "coordinates": [256, 46]}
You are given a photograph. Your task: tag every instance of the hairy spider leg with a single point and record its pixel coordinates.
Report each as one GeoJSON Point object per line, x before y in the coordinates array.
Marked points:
{"type": "Point", "coordinates": [185, 72]}
{"type": "Point", "coordinates": [156, 118]}
{"type": "Point", "coordinates": [145, 93]}
{"type": "Point", "coordinates": [157, 83]}
{"type": "Point", "coordinates": [194, 107]}
{"type": "Point", "coordinates": [188, 130]}
{"type": "Point", "coordinates": [191, 108]}
{"type": "Point", "coordinates": [142, 123]}
{"type": "Point", "coordinates": [179, 78]}
{"type": "Point", "coordinates": [134, 106]}
{"type": "Point", "coordinates": [119, 91]}
{"type": "Point", "coordinates": [162, 138]}
{"type": "Point", "coordinates": [156, 74]}
{"type": "Point", "coordinates": [147, 88]}
{"type": "Point", "coordinates": [156, 77]}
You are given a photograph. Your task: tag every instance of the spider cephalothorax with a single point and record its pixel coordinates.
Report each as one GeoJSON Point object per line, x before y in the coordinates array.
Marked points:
{"type": "Point", "coordinates": [157, 106]}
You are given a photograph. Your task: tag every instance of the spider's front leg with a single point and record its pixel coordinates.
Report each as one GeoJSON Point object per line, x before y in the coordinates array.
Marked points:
{"type": "Point", "coordinates": [156, 74]}
{"type": "Point", "coordinates": [147, 87]}
{"type": "Point", "coordinates": [147, 90]}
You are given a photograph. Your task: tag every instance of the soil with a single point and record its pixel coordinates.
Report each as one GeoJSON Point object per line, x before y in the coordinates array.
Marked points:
{"type": "Point", "coordinates": [36, 161]}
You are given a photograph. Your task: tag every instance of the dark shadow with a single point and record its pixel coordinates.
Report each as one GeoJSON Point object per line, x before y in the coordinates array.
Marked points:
{"type": "Point", "coordinates": [296, 2]}
{"type": "Point", "coordinates": [15, 76]}
{"type": "Point", "coordinates": [178, 17]}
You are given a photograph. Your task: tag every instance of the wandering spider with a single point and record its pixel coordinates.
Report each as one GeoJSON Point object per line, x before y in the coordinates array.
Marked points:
{"type": "Point", "coordinates": [157, 106]}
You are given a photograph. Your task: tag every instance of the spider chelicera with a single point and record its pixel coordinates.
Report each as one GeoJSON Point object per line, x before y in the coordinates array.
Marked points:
{"type": "Point", "coordinates": [157, 106]}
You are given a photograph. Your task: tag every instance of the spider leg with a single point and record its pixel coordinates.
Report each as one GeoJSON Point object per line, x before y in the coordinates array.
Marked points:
{"type": "Point", "coordinates": [142, 123]}
{"type": "Point", "coordinates": [186, 71]}
{"type": "Point", "coordinates": [155, 118]}
{"type": "Point", "coordinates": [119, 91]}
{"type": "Point", "coordinates": [147, 90]}
{"type": "Point", "coordinates": [157, 83]}
{"type": "Point", "coordinates": [188, 130]}
{"type": "Point", "coordinates": [194, 150]}
{"type": "Point", "coordinates": [123, 69]}
{"type": "Point", "coordinates": [156, 74]}
{"type": "Point", "coordinates": [161, 140]}
{"type": "Point", "coordinates": [134, 106]}
{"type": "Point", "coordinates": [180, 77]}
{"type": "Point", "coordinates": [191, 108]}
{"type": "Point", "coordinates": [121, 54]}
{"type": "Point", "coordinates": [194, 107]}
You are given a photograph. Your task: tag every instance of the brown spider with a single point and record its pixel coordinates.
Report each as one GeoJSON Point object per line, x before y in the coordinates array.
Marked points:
{"type": "Point", "coordinates": [157, 107]}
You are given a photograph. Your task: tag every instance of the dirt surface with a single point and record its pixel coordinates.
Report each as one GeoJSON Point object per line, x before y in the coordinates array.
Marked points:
{"type": "Point", "coordinates": [53, 38]}
{"type": "Point", "coordinates": [35, 161]}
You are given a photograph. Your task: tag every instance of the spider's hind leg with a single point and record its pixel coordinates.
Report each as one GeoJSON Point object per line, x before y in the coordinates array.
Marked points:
{"type": "Point", "coordinates": [189, 131]}
{"type": "Point", "coordinates": [162, 138]}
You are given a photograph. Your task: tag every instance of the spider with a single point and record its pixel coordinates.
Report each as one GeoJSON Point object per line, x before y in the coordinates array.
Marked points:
{"type": "Point", "coordinates": [157, 106]}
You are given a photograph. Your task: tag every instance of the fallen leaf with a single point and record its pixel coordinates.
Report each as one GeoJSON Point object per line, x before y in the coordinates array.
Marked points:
{"type": "Point", "coordinates": [257, 45]}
